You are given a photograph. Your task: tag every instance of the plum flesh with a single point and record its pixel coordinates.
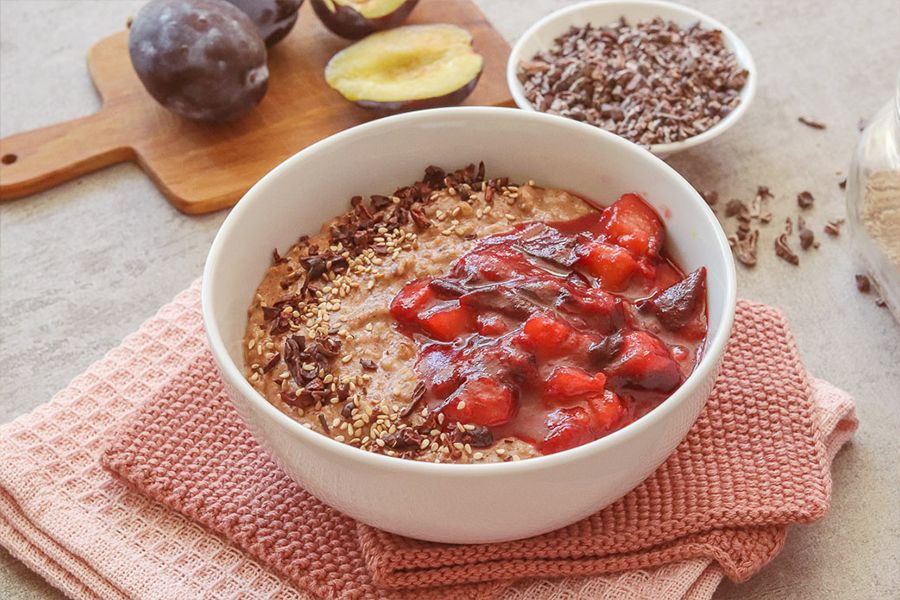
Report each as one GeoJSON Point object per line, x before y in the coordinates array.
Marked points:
{"type": "Point", "coordinates": [201, 59]}
{"type": "Point", "coordinates": [408, 68]}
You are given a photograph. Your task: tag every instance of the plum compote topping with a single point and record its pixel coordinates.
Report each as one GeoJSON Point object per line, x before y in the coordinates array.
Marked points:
{"type": "Point", "coordinates": [557, 333]}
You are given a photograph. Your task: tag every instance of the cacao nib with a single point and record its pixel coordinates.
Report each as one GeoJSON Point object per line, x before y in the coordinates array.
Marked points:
{"type": "Point", "coordinates": [403, 439]}
{"type": "Point", "coordinates": [480, 437]}
{"type": "Point", "coordinates": [805, 199]}
{"type": "Point", "coordinates": [314, 265]}
{"type": "Point", "coordinates": [415, 398]}
{"type": "Point", "coordinates": [276, 358]}
{"type": "Point", "coordinates": [783, 250]}
{"type": "Point", "coordinates": [347, 410]}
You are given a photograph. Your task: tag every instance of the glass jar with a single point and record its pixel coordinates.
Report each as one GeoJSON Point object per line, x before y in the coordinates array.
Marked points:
{"type": "Point", "coordinates": [873, 202]}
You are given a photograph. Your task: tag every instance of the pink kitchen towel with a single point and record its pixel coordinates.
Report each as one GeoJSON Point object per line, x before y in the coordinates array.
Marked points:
{"type": "Point", "coordinates": [95, 537]}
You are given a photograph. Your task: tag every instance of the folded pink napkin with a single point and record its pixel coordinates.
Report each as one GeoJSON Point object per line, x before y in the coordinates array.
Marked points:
{"type": "Point", "coordinates": [93, 537]}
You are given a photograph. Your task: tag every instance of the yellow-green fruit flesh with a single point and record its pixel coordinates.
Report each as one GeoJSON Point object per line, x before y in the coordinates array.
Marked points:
{"type": "Point", "coordinates": [407, 64]}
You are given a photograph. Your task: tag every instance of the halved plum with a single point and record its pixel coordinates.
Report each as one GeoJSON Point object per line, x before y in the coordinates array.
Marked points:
{"type": "Point", "coordinates": [355, 19]}
{"type": "Point", "coordinates": [408, 68]}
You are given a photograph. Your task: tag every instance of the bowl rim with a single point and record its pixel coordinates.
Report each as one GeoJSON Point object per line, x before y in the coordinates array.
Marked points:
{"type": "Point", "coordinates": [570, 13]}
{"type": "Point", "coordinates": [232, 372]}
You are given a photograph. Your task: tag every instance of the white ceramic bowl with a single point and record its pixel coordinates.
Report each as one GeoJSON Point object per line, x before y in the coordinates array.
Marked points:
{"type": "Point", "coordinates": [448, 502]}
{"type": "Point", "coordinates": [541, 35]}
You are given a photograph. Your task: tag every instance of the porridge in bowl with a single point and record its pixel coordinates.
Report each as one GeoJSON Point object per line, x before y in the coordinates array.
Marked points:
{"type": "Point", "coordinates": [466, 320]}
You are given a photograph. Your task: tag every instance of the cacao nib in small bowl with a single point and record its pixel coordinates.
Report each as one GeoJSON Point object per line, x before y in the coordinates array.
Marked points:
{"type": "Point", "coordinates": [658, 74]}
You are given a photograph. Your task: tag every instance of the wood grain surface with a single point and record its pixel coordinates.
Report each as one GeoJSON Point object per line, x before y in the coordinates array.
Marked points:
{"type": "Point", "coordinates": [202, 167]}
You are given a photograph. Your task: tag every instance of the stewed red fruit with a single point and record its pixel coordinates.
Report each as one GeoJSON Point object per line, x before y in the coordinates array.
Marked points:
{"type": "Point", "coordinates": [557, 333]}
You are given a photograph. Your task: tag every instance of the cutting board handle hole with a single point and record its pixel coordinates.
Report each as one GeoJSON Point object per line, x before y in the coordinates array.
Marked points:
{"type": "Point", "coordinates": [9, 159]}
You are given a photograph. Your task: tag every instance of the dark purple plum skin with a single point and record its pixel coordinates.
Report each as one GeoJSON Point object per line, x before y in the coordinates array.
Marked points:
{"type": "Point", "coordinates": [451, 99]}
{"type": "Point", "coordinates": [201, 59]}
{"type": "Point", "coordinates": [273, 18]}
{"type": "Point", "coordinates": [349, 24]}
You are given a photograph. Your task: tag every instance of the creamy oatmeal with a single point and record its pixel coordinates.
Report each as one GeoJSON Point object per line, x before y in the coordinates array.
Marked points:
{"type": "Point", "coordinates": [367, 332]}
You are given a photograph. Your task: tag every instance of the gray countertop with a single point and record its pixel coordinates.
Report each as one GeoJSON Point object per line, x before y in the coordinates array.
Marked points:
{"type": "Point", "coordinates": [84, 264]}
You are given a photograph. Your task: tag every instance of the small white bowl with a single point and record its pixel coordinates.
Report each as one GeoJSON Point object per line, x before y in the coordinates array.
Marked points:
{"type": "Point", "coordinates": [451, 502]}
{"type": "Point", "coordinates": [540, 37]}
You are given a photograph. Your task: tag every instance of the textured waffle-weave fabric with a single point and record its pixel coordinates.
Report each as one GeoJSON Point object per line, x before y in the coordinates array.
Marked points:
{"type": "Point", "coordinates": [94, 537]}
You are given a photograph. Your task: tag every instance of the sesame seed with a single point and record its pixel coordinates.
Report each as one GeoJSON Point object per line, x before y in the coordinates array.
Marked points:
{"type": "Point", "coordinates": [478, 455]}
{"type": "Point", "coordinates": [346, 358]}
{"type": "Point", "coordinates": [468, 449]}
{"type": "Point", "coordinates": [380, 442]}
{"type": "Point", "coordinates": [339, 438]}
{"type": "Point", "coordinates": [461, 405]}
{"type": "Point", "coordinates": [458, 445]}
{"type": "Point", "coordinates": [469, 427]}
{"type": "Point", "coordinates": [501, 451]}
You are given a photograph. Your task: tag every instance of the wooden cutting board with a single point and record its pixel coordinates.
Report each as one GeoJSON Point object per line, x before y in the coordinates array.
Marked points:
{"type": "Point", "coordinates": [204, 167]}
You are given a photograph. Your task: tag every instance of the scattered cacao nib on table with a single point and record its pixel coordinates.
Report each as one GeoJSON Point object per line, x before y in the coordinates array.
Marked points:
{"type": "Point", "coordinates": [710, 197]}
{"type": "Point", "coordinates": [810, 123]}
{"type": "Point", "coordinates": [833, 227]}
{"type": "Point", "coordinates": [736, 207]}
{"type": "Point", "coordinates": [805, 199]}
{"type": "Point", "coordinates": [783, 250]}
{"type": "Point", "coordinates": [745, 250]}
{"type": "Point", "coordinates": [653, 82]}
{"type": "Point", "coordinates": [863, 284]}
{"type": "Point", "coordinates": [807, 237]}
{"type": "Point", "coordinates": [745, 239]}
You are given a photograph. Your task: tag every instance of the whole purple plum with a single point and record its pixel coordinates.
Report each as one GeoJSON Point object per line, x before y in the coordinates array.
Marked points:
{"type": "Point", "coordinates": [201, 59]}
{"type": "Point", "coordinates": [274, 18]}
